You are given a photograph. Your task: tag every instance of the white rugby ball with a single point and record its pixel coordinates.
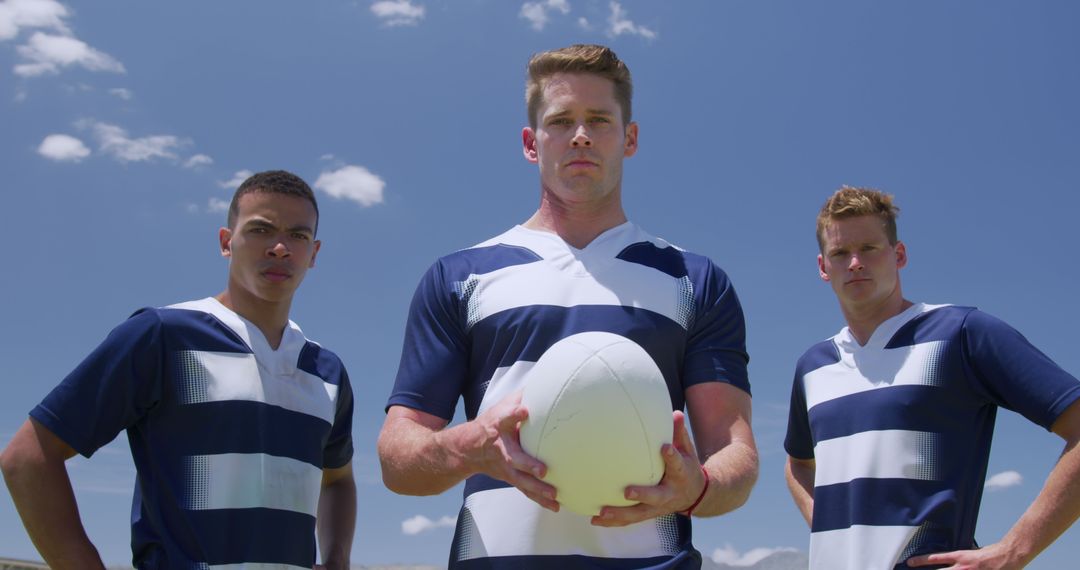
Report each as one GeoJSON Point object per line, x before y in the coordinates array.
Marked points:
{"type": "Point", "coordinates": [599, 412]}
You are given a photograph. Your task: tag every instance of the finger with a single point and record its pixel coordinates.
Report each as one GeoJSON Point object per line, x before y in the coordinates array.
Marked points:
{"type": "Point", "coordinates": [623, 516]}
{"type": "Point", "coordinates": [681, 436]}
{"type": "Point", "coordinates": [932, 559]}
{"type": "Point", "coordinates": [536, 489]}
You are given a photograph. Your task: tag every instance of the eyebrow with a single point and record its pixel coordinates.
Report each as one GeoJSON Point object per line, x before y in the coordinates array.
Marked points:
{"type": "Point", "coordinates": [563, 113]}
{"type": "Point", "coordinates": [263, 223]}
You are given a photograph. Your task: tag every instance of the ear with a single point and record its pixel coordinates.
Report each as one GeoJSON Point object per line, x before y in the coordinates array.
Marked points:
{"type": "Point", "coordinates": [225, 241]}
{"type": "Point", "coordinates": [314, 253]}
{"type": "Point", "coordinates": [901, 254]}
{"type": "Point", "coordinates": [528, 145]}
{"type": "Point", "coordinates": [821, 268]}
{"type": "Point", "coordinates": [630, 139]}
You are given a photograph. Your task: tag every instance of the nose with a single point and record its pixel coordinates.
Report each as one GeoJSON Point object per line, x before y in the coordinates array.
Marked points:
{"type": "Point", "coordinates": [855, 264]}
{"type": "Point", "coordinates": [581, 138]}
{"type": "Point", "coordinates": [279, 249]}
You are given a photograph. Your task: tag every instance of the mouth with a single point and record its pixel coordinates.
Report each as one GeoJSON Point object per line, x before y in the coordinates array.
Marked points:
{"type": "Point", "coordinates": [277, 275]}
{"type": "Point", "coordinates": [858, 280]}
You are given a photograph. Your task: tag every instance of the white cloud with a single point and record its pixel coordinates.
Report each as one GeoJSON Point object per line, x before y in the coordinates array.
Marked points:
{"type": "Point", "coordinates": [217, 206]}
{"type": "Point", "coordinates": [327, 156]}
{"type": "Point", "coordinates": [18, 14]}
{"type": "Point", "coordinates": [398, 12]}
{"type": "Point", "coordinates": [537, 12]}
{"type": "Point", "coordinates": [115, 142]}
{"type": "Point", "coordinates": [198, 160]}
{"type": "Point", "coordinates": [420, 523]}
{"type": "Point", "coordinates": [619, 24]}
{"type": "Point", "coordinates": [1004, 480]}
{"type": "Point", "coordinates": [584, 24]}
{"type": "Point", "coordinates": [122, 93]}
{"type": "Point", "coordinates": [353, 183]}
{"type": "Point", "coordinates": [63, 148]}
{"type": "Point", "coordinates": [731, 557]}
{"type": "Point", "coordinates": [237, 179]}
{"type": "Point", "coordinates": [47, 53]}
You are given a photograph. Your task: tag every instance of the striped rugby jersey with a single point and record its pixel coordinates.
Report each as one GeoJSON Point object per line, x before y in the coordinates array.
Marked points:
{"type": "Point", "coordinates": [480, 320]}
{"type": "Point", "coordinates": [900, 430]}
{"type": "Point", "coordinates": [229, 437]}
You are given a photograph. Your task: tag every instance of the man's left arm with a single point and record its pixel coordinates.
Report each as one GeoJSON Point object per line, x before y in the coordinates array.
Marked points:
{"type": "Point", "coordinates": [1054, 510]}
{"type": "Point", "coordinates": [724, 451]}
{"type": "Point", "coordinates": [336, 520]}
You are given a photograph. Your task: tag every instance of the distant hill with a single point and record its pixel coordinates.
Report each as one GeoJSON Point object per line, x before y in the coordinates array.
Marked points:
{"type": "Point", "coordinates": [775, 561]}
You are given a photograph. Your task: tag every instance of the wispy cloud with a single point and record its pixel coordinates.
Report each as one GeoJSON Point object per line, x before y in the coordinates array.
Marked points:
{"type": "Point", "coordinates": [398, 12]}
{"type": "Point", "coordinates": [48, 53]}
{"type": "Point", "coordinates": [115, 142]}
{"type": "Point", "coordinates": [1004, 480]}
{"type": "Point", "coordinates": [197, 161]}
{"type": "Point", "coordinates": [237, 179]}
{"type": "Point", "coordinates": [537, 12]}
{"type": "Point", "coordinates": [731, 557]}
{"type": "Point", "coordinates": [18, 14]}
{"type": "Point", "coordinates": [217, 205]}
{"type": "Point", "coordinates": [420, 523]}
{"type": "Point", "coordinates": [63, 148]}
{"type": "Point", "coordinates": [122, 93]}
{"type": "Point", "coordinates": [354, 183]}
{"type": "Point", "coordinates": [619, 24]}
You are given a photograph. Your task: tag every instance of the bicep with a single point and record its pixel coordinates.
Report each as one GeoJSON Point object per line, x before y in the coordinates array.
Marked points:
{"type": "Point", "coordinates": [719, 416]}
{"type": "Point", "coordinates": [1067, 425]}
{"type": "Point", "coordinates": [331, 475]}
{"type": "Point", "coordinates": [402, 424]}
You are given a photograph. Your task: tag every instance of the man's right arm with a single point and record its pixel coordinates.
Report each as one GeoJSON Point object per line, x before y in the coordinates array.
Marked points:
{"type": "Point", "coordinates": [421, 456]}
{"type": "Point", "coordinates": [34, 470]}
{"type": "Point", "coordinates": [800, 481]}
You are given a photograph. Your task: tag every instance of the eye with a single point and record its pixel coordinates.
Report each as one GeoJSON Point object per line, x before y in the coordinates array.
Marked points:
{"type": "Point", "coordinates": [300, 236]}
{"type": "Point", "coordinates": [600, 120]}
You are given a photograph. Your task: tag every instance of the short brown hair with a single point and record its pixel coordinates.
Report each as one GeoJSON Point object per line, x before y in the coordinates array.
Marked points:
{"type": "Point", "coordinates": [850, 202]}
{"type": "Point", "coordinates": [578, 58]}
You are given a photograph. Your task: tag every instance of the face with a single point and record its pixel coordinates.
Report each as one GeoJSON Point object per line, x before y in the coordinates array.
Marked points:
{"type": "Point", "coordinates": [580, 141]}
{"type": "Point", "coordinates": [860, 263]}
{"type": "Point", "coordinates": [270, 248]}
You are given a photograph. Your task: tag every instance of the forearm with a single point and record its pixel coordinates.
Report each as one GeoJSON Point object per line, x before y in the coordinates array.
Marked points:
{"type": "Point", "coordinates": [337, 523]}
{"type": "Point", "coordinates": [417, 460]}
{"type": "Point", "coordinates": [41, 491]}
{"type": "Point", "coordinates": [732, 473]}
{"type": "Point", "coordinates": [1054, 510]}
{"type": "Point", "coordinates": [800, 481]}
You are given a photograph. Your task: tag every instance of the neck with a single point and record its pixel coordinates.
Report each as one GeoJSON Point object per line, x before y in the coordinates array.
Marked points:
{"type": "Point", "coordinates": [269, 317]}
{"type": "Point", "coordinates": [862, 321]}
{"type": "Point", "coordinates": [577, 224]}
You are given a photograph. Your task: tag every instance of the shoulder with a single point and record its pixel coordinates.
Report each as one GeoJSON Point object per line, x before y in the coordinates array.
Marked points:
{"type": "Point", "coordinates": [505, 250]}
{"type": "Point", "coordinates": [819, 355]}
{"type": "Point", "coordinates": [662, 255]}
{"type": "Point", "coordinates": [322, 362]}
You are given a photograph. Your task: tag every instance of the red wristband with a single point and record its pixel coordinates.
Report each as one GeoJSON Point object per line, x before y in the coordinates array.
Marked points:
{"type": "Point", "coordinates": [704, 490]}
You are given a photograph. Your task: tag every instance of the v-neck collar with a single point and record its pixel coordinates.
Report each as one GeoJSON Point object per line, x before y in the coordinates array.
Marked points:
{"type": "Point", "coordinates": [280, 361]}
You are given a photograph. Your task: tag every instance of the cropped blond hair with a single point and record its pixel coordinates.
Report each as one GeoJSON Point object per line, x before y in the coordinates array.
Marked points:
{"type": "Point", "coordinates": [851, 202]}
{"type": "Point", "coordinates": [578, 58]}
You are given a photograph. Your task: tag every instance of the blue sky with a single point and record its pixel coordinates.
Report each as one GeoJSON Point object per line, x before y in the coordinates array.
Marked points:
{"type": "Point", "coordinates": [124, 126]}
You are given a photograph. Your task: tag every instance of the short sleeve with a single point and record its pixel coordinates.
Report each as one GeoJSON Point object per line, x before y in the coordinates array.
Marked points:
{"type": "Point", "coordinates": [111, 390]}
{"type": "Point", "coordinates": [434, 354]}
{"type": "Point", "coordinates": [799, 442]}
{"type": "Point", "coordinates": [716, 343]}
{"type": "Point", "coordinates": [1012, 373]}
{"type": "Point", "coordinates": [339, 446]}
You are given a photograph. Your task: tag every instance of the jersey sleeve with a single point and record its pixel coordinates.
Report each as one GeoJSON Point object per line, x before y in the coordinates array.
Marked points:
{"type": "Point", "coordinates": [798, 442]}
{"type": "Point", "coordinates": [434, 354]}
{"type": "Point", "coordinates": [339, 446]}
{"type": "Point", "coordinates": [716, 343]}
{"type": "Point", "coordinates": [115, 386]}
{"type": "Point", "coordinates": [1012, 373]}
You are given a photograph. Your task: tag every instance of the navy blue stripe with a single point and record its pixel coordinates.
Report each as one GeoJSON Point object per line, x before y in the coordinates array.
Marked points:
{"type": "Point", "coordinates": [884, 502]}
{"type": "Point", "coordinates": [684, 561]}
{"type": "Point", "coordinates": [481, 260]}
{"type": "Point", "coordinates": [661, 337]}
{"type": "Point", "coordinates": [938, 324]}
{"type": "Point", "coordinates": [820, 355]}
{"type": "Point", "coordinates": [195, 330]}
{"type": "Point", "coordinates": [915, 408]}
{"type": "Point", "coordinates": [231, 536]}
{"type": "Point", "coordinates": [248, 427]}
{"type": "Point", "coordinates": [318, 361]}
{"type": "Point", "coordinates": [478, 483]}
{"type": "Point", "coordinates": [667, 260]}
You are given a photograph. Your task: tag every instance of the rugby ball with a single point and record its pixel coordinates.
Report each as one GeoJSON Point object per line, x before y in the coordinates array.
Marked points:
{"type": "Point", "coordinates": [599, 412]}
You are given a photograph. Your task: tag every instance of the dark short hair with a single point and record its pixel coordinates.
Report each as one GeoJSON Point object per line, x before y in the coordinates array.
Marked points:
{"type": "Point", "coordinates": [275, 182]}
{"type": "Point", "coordinates": [578, 58]}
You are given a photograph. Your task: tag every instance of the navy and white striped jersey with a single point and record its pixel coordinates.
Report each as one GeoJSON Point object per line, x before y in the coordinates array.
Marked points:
{"type": "Point", "coordinates": [900, 430]}
{"type": "Point", "coordinates": [482, 317]}
{"type": "Point", "coordinates": [229, 437]}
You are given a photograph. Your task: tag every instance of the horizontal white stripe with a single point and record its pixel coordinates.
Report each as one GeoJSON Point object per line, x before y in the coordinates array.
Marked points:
{"type": "Point", "coordinates": [509, 524]}
{"type": "Point", "coordinates": [870, 547]}
{"type": "Point", "coordinates": [857, 372]}
{"type": "Point", "coordinates": [880, 454]}
{"type": "Point", "coordinates": [230, 376]}
{"type": "Point", "coordinates": [256, 566]}
{"type": "Point", "coordinates": [505, 380]}
{"type": "Point", "coordinates": [251, 480]}
{"type": "Point", "coordinates": [607, 282]}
